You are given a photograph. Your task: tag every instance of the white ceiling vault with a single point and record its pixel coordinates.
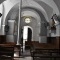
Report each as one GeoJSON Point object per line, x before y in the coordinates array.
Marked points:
{"type": "Point", "coordinates": [33, 4]}
{"type": "Point", "coordinates": [9, 4]}
{"type": "Point", "coordinates": [52, 4]}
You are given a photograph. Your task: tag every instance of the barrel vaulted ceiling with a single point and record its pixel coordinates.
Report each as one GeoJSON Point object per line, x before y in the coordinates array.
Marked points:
{"type": "Point", "coordinates": [47, 7]}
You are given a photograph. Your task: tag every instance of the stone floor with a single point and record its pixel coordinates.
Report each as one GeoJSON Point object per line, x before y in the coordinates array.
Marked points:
{"type": "Point", "coordinates": [24, 58]}
{"type": "Point", "coordinates": [30, 58]}
{"type": "Point", "coordinates": [27, 56]}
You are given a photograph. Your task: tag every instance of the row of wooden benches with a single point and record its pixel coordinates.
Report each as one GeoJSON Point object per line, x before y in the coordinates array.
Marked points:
{"type": "Point", "coordinates": [44, 50]}
{"type": "Point", "coordinates": [45, 53]}
{"type": "Point", "coordinates": [7, 51]}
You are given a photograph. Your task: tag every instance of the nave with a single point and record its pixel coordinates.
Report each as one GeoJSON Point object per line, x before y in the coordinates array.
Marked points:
{"type": "Point", "coordinates": [29, 29]}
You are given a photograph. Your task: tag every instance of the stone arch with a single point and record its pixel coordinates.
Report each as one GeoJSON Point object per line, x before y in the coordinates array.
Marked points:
{"type": "Point", "coordinates": [43, 12]}
{"type": "Point", "coordinates": [35, 11]}
{"type": "Point", "coordinates": [31, 30]}
{"type": "Point", "coordinates": [33, 6]}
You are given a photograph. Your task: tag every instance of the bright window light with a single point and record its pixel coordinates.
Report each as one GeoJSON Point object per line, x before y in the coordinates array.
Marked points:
{"type": "Point", "coordinates": [25, 32]}
{"type": "Point", "coordinates": [27, 20]}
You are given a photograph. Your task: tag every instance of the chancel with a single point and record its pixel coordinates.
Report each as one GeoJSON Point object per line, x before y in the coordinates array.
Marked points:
{"type": "Point", "coordinates": [29, 29]}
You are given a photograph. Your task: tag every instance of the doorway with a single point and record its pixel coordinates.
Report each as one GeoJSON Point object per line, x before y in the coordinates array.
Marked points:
{"type": "Point", "coordinates": [27, 35]}
{"type": "Point", "coordinates": [29, 38]}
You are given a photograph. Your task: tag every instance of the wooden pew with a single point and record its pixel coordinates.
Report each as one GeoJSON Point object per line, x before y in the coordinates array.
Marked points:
{"type": "Point", "coordinates": [29, 44]}
{"type": "Point", "coordinates": [46, 53]}
{"type": "Point", "coordinates": [2, 39]}
{"type": "Point", "coordinates": [6, 52]}
{"type": "Point", "coordinates": [45, 50]}
{"type": "Point", "coordinates": [9, 45]}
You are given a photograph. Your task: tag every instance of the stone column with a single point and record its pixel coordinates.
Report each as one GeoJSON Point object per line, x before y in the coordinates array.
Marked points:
{"type": "Point", "coordinates": [19, 20]}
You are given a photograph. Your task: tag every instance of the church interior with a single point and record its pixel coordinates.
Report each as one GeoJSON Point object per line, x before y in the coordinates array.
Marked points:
{"type": "Point", "coordinates": [29, 29]}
